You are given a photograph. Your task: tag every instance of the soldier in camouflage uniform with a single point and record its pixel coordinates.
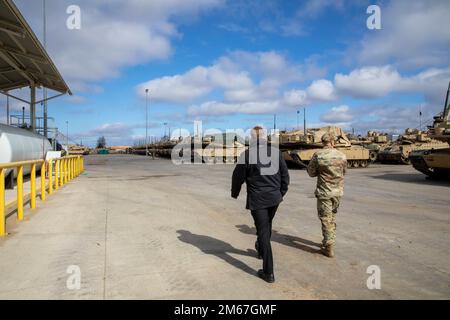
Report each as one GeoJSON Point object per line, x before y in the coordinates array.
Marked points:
{"type": "Point", "coordinates": [329, 166]}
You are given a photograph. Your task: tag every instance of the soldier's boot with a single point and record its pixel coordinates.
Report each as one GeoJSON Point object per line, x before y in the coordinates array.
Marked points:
{"type": "Point", "coordinates": [328, 251]}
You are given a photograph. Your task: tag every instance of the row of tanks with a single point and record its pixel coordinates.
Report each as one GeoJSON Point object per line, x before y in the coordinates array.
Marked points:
{"type": "Point", "coordinates": [298, 147]}
{"type": "Point", "coordinates": [399, 151]}
{"type": "Point", "coordinates": [435, 163]}
{"type": "Point", "coordinates": [428, 151]}
{"type": "Point", "coordinates": [208, 149]}
{"type": "Point", "coordinates": [374, 141]}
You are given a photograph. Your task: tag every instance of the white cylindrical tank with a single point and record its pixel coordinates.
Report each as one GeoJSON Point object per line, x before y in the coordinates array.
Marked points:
{"type": "Point", "coordinates": [20, 145]}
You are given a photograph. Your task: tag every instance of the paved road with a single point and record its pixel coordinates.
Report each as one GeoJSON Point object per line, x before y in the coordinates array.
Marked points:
{"type": "Point", "coordinates": [143, 229]}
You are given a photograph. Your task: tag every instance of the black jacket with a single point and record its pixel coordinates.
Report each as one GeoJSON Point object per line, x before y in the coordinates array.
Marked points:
{"type": "Point", "coordinates": [263, 191]}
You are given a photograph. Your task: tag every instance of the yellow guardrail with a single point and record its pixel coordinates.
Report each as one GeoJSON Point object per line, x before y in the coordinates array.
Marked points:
{"type": "Point", "coordinates": [60, 171]}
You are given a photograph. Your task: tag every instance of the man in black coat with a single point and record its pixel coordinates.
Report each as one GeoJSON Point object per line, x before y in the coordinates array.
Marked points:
{"type": "Point", "coordinates": [267, 180]}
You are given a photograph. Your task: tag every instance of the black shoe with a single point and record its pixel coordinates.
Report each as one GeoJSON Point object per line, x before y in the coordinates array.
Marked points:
{"type": "Point", "coordinates": [270, 278]}
{"type": "Point", "coordinates": [257, 250]}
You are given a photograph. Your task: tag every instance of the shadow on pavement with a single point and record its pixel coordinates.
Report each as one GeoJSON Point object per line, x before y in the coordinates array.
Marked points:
{"type": "Point", "coordinates": [219, 248]}
{"type": "Point", "coordinates": [412, 178]}
{"type": "Point", "coordinates": [287, 240]}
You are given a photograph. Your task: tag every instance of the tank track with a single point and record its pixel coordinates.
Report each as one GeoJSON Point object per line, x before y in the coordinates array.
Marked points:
{"type": "Point", "coordinates": [419, 164]}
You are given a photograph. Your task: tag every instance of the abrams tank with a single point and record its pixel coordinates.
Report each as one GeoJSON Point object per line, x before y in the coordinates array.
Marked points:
{"type": "Point", "coordinates": [221, 148]}
{"type": "Point", "coordinates": [75, 149]}
{"type": "Point", "coordinates": [298, 148]}
{"type": "Point", "coordinates": [435, 163]}
{"type": "Point", "coordinates": [412, 140]}
{"type": "Point", "coordinates": [374, 141]}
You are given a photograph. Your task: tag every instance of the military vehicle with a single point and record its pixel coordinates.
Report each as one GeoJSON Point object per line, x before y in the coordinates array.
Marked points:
{"type": "Point", "coordinates": [298, 148]}
{"type": "Point", "coordinates": [221, 148]}
{"type": "Point", "coordinates": [374, 141]}
{"type": "Point", "coordinates": [75, 149]}
{"type": "Point", "coordinates": [412, 140]}
{"type": "Point", "coordinates": [162, 148]}
{"type": "Point", "coordinates": [291, 136]}
{"type": "Point", "coordinates": [435, 163]}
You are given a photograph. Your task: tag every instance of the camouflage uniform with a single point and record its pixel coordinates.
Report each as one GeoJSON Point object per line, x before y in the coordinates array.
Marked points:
{"type": "Point", "coordinates": [329, 166]}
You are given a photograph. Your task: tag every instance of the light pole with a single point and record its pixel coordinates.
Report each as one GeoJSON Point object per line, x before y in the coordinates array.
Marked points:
{"type": "Point", "coordinates": [165, 130]}
{"type": "Point", "coordinates": [304, 121]}
{"type": "Point", "coordinates": [146, 122]}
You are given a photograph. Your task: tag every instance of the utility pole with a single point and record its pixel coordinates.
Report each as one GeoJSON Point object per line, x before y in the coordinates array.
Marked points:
{"type": "Point", "coordinates": [165, 130]}
{"type": "Point", "coordinates": [146, 122]}
{"type": "Point", "coordinates": [298, 113]}
{"type": "Point", "coordinates": [420, 117]}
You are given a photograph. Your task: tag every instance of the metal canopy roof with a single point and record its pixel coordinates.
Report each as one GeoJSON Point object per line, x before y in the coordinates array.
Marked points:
{"type": "Point", "coordinates": [23, 60]}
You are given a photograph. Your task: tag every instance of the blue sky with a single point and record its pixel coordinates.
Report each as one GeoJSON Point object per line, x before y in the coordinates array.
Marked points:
{"type": "Point", "coordinates": [234, 64]}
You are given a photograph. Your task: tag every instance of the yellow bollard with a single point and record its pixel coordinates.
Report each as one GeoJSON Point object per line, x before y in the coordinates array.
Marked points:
{"type": "Point", "coordinates": [61, 173]}
{"type": "Point", "coordinates": [56, 174]}
{"type": "Point", "coordinates": [20, 193]}
{"type": "Point", "coordinates": [70, 170]}
{"type": "Point", "coordinates": [50, 176]}
{"type": "Point", "coordinates": [2, 203]}
{"type": "Point", "coordinates": [65, 171]}
{"type": "Point", "coordinates": [33, 186]}
{"type": "Point", "coordinates": [43, 181]}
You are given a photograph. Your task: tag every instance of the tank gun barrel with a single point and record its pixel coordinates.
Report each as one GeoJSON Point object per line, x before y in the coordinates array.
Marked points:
{"type": "Point", "coordinates": [446, 106]}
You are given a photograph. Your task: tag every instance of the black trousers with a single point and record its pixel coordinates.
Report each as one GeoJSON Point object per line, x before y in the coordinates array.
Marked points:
{"type": "Point", "coordinates": [263, 223]}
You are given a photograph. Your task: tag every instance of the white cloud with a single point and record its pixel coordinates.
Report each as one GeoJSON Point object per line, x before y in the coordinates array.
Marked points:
{"type": "Point", "coordinates": [373, 82]}
{"type": "Point", "coordinates": [340, 114]}
{"type": "Point", "coordinates": [321, 90]}
{"type": "Point", "coordinates": [178, 88]}
{"type": "Point", "coordinates": [109, 130]}
{"type": "Point", "coordinates": [114, 34]}
{"type": "Point", "coordinates": [295, 98]}
{"type": "Point", "coordinates": [414, 34]}
{"type": "Point", "coordinates": [241, 76]}
{"type": "Point", "coordinates": [214, 108]}
{"type": "Point", "coordinates": [196, 83]}
{"type": "Point", "coordinates": [368, 82]}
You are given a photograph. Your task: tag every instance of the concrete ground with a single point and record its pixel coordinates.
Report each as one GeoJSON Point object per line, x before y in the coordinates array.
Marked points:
{"type": "Point", "coordinates": [145, 229]}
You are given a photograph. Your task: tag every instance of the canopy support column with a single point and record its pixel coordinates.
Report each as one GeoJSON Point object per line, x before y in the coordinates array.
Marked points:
{"type": "Point", "coordinates": [33, 108]}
